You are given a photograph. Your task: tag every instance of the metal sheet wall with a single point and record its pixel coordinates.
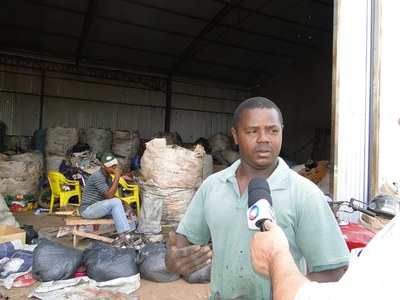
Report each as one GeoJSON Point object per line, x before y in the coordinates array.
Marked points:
{"type": "Point", "coordinates": [19, 100]}
{"type": "Point", "coordinates": [197, 109]}
{"type": "Point", "coordinates": [88, 102]}
{"type": "Point", "coordinates": [85, 114]}
{"type": "Point", "coordinates": [19, 112]}
{"type": "Point", "coordinates": [80, 88]}
{"type": "Point", "coordinates": [203, 109]}
{"type": "Point", "coordinates": [351, 114]}
{"type": "Point", "coordinates": [192, 125]}
{"type": "Point", "coordinates": [20, 80]}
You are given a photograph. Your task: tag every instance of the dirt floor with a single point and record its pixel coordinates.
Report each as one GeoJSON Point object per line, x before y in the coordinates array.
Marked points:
{"type": "Point", "coordinates": [48, 226]}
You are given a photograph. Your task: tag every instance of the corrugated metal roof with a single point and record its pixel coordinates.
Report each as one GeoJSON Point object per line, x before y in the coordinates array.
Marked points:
{"type": "Point", "coordinates": [239, 41]}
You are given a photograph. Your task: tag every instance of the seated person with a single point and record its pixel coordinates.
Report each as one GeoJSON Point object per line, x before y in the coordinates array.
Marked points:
{"type": "Point", "coordinates": [98, 200]}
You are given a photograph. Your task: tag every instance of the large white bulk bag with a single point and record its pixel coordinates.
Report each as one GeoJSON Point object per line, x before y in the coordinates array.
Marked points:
{"type": "Point", "coordinates": [99, 140]}
{"type": "Point", "coordinates": [125, 145]}
{"type": "Point", "coordinates": [170, 176]}
{"type": "Point", "coordinates": [172, 165]}
{"type": "Point", "coordinates": [60, 139]}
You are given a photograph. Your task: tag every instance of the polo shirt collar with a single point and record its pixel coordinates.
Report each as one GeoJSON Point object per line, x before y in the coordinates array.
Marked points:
{"type": "Point", "coordinates": [278, 180]}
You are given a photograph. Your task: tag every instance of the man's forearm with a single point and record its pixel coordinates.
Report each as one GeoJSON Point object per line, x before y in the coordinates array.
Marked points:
{"type": "Point", "coordinates": [286, 277]}
{"type": "Point", "coordinates": [110, 193]}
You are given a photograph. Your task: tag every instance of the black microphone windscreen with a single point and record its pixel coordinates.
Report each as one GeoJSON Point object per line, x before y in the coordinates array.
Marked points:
{"type": "Point", "coordinates": [258, 189]}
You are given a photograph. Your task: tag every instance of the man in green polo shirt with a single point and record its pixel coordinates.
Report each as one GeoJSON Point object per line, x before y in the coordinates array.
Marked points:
{"type": "Point", "coordinates": [219, 207]}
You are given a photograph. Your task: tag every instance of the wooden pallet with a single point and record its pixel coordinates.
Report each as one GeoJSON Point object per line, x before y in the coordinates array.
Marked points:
{"type": "Point", "coordinates": [96, 234]}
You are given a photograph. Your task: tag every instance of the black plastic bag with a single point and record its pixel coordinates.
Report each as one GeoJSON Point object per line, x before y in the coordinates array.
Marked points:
{"type": "Point", "coordinates": [54, 261]}
{"type": "Point", "coordinates": [105, 262]}
{"type": "Point", "coordinates": [31, 234]}
{"type": "Point", "coordinates": [78, 147]}
{"type": "Point", "coordinates": [201, 276]}
{"type": "Point", "coordinates": [152, 265]}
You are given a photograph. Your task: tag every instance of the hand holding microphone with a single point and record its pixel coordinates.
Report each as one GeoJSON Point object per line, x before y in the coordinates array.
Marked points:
{"type": "Point", "coordinates": [259, 203]}
{"type": "Point", "coordinates": [268, 248]}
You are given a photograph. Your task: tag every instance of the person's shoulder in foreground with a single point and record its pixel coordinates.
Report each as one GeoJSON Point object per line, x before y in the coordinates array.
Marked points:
{"type": "Point", "coordinates": [373, 274]}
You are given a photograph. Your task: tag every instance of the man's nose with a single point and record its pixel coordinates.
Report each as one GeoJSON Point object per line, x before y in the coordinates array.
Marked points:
{"type": "Point", "coordinates": [264, 137]}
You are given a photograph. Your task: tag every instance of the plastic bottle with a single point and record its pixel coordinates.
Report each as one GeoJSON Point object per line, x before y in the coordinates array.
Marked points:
{"type": "Point", "coordinates": [38, 210]}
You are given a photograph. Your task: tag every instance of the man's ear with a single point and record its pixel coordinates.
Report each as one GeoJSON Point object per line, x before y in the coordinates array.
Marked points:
{"type": "Point", "coordinates": [234, 135]}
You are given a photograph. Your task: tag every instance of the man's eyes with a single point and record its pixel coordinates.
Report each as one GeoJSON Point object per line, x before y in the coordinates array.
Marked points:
{"type": "Point", "coordinates": [251, 131]}
{"type": "Point", "coordinates": [271, 131]}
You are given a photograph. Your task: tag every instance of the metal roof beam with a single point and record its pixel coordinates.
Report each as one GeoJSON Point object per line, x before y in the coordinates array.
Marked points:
{"type": "Point", "coordinates": [211, 25]}
{"type": "Point", "coordinates": [283, 19]}
{"type": "Point", "coordinates": [156, 83]}
{"type": "Point", "coordinates": [90, 13]}
{"type": "Point", "coordinates": [222, 25]}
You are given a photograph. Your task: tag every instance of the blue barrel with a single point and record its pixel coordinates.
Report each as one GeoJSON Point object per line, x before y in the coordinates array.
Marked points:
{"type": "Point", "coordinates": [39, 139]}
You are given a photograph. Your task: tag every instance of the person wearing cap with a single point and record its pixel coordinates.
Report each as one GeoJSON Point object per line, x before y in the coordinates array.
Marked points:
{"type": "Point", "coordinates": [98, 200]}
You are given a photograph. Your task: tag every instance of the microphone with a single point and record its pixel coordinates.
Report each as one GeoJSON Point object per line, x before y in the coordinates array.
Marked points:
{"type": "Point", "coordinates": [259, 203]}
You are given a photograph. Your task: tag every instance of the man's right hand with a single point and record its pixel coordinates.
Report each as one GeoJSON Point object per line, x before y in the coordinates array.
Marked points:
{"type": "Point", "coordinates": [117, 171]}
{"type": "Point", "coordinates": [188, 259]}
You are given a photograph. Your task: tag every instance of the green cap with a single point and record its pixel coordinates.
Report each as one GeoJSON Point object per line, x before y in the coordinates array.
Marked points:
{"type": "Point", "coordinates": [108, 159]}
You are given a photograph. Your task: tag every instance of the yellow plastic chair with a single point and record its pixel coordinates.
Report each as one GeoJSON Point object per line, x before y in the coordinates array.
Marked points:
{"type": "Point", "coordinates": [63, 189]}
{"type": "Point", "coordinates": [129, 193]}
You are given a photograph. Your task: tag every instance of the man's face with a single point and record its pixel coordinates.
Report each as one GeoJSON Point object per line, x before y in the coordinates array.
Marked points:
{"type": "Point", "coordinates": [259, 136]}
{"type": "Point", "coordinates": [108, 170]}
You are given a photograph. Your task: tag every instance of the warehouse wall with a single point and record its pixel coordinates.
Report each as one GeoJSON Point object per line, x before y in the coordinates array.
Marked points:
{"type": "Point", "coordinates": [198, 109]}
{"type": "Point", "coordinates": [202, 109]}
{"type": "Point", "coordinates": [303, 93]}
{"type": "Point", "coordinates": [88, 102]}
{"type": "Point", "coordinates": [20, 100]}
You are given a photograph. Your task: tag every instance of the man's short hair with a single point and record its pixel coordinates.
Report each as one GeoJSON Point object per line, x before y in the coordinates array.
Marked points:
{"type": "Point", "coordinates": [251, 103]}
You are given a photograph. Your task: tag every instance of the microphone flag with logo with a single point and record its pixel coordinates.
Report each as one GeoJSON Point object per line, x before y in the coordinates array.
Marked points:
{"type": "Point", "coordinates": [259, 204]}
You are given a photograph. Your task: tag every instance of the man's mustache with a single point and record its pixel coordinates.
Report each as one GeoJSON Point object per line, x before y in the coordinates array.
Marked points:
{"type": "Point", "coordinates": [263, 148]}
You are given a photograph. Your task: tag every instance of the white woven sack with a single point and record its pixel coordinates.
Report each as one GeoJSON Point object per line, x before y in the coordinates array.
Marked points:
{"type": "Point", "coordinates": [160, 206]}
{"type": "Point", "coordinates": [60, 139]}
{"type": "Point", "coordinates": [172, 165]}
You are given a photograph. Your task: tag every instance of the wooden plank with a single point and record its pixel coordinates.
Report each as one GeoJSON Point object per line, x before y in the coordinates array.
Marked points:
{"type": "Point", "coordinates": [81, 221]}
{"type": "Point", "coordinates": [96, 235]}
{"type": "Point", "coordinates": [107, 230]}
{"type": "Point", "coordinates": [92, 236]}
